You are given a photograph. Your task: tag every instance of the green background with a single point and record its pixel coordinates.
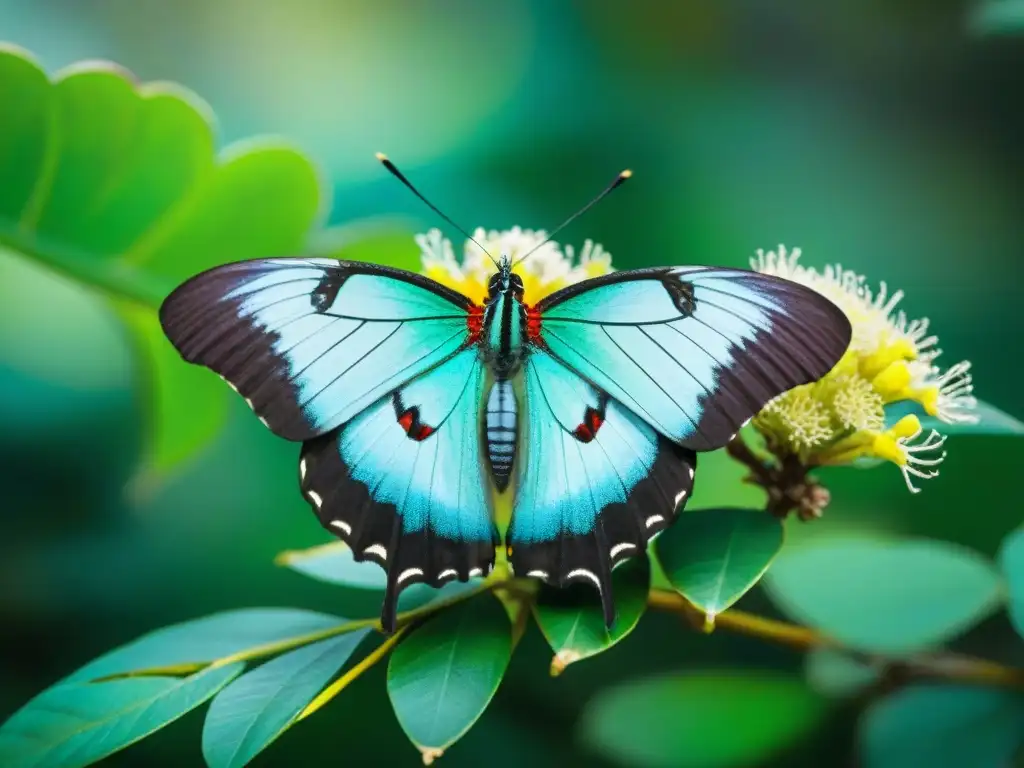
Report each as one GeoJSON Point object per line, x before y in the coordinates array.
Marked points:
{"type": "Point", "coordinates": [885, 136]}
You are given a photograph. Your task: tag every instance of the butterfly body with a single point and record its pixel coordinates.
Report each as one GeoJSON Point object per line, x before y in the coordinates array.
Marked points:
{"type": "Point", "coordinates": [414, 404]}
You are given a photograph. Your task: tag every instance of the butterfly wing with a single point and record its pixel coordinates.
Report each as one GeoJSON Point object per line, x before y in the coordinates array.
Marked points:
{"type": "Point", "coordinates": [375, 370]}
{"type": "Point", "coordinates": [402, 483]}
{"type": "Point", "coordinates": [694, 351]}
{"type": "Point", "coordinates": [309, 343]}
{"type": "Point", "coordinates": [594, 484]}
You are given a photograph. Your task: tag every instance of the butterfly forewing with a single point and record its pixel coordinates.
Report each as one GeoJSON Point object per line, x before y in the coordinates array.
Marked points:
{"type": "Point", "coordinates": [309, 343]}
{"type": "Point", "coordinates": [694, 351]}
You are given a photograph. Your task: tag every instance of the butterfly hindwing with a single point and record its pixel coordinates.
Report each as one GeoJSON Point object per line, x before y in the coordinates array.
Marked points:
{"type": "Point", "coordinates": [595, 482]}
{"type": "Point", "coordinates": [311, 342]}
{"type": "Point", "coordinates": [695, 351]}
{"type": "Point", "coordinates": [402, 483]}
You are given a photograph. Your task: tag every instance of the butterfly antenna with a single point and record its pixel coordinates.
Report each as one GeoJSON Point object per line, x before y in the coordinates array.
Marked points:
{"type": "Point", "coordinates": [401, 177]}
{"type": "Point", "coordinates": [615, 183]}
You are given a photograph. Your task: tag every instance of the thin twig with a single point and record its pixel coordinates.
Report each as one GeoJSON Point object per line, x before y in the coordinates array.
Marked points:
{"type": "Point", "coordinates": [948, 667]}
{"type": "Point", "coordinates": [368, 661]}
{"type": "Point", "coordinates": [739, 450]}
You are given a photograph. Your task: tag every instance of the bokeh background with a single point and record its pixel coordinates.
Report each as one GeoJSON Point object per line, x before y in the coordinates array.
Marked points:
{"type": "Point", "coordinates": [882, 135]}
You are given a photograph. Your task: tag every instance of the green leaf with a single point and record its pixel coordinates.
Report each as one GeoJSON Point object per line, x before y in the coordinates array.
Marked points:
{"type": "Point", "coordinates": [207, 639]}
{"type": "Point", "coordinates": [991, 420]}
{"type": "Point", "coordinates": [836, 674]}
{"type": "Point", "coordinates": [444, 674]}
{"type": "Point", "coordinates": [713, 556]}
{"type": "Point", "coordinates": [572, 619]}
{"type": "Point", "coordinates": [334, 563]}
{"type": "Point", "coordinates": [943, 726]}
{"type": "Point", "coordinates": [886, 597]}
{"type": "Point", "coordinates": [1011, 560]}
{"type": "Point", "coordinates": [998, 17]}
{"type": "Point", "coordinates": [76, 724]}
{"type": "Point", "coordinates": [177, 426]}
{"type": "Point", "coordinates": [117, 184]}
{"type": "Point", "coordinates": [700, 720]}
{"type": "Point", "coordinates": [259, 706]}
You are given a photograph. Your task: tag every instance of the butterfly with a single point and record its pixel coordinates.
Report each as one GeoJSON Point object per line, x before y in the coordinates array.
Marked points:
{"type": "Point", "coordinates": [415, 406]}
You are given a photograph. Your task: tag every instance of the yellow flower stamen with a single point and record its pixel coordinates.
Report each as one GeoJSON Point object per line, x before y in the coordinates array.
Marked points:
{"type": "Point", "coordinates": [893, 382]}
{"type": "Point", "coordinates": [890, 359]}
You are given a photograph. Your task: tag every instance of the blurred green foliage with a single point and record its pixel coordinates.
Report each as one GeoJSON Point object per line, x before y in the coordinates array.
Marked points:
{"type": "Point", "coordinates": [883, 136]}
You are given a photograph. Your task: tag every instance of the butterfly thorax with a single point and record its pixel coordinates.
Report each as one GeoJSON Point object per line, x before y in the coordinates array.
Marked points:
{"type": "Point", "coordinates": [503, 348]}
{"type": "Point", "coordinates": [503, 338]}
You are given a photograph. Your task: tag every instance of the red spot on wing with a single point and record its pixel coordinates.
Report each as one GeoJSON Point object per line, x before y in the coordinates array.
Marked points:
{"type": "Point", "coordinates": [533, 325]}
{"type": "Point", "coordinates": [475, 323]}
{"type": "Point", "coordinates": [409, 420]}
{"type": "Point", "coordinates": [424, 431]}
{"type": "Point", "coordinates": [583, 433]}
{"type": "Point", "coordinates": [406, 420]}
{"type": "Point", "coordinates": [587, 429]}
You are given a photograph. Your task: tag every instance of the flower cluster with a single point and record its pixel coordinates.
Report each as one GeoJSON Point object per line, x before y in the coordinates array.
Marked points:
{"type": "Point", "coordinates": [841, 418]}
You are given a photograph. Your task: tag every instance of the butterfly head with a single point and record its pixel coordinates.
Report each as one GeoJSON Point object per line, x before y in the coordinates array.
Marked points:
{"type": "Point", "coordinates": [505, 281]}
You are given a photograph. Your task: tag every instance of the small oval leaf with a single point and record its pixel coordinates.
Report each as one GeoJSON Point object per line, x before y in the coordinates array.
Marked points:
{"type": "Point", "coordinates": [572, 619]}
{"type": "Point", "coordinates": [700, 720]}
{"type": "Point", "coordinates": [76, 724]}
{"type": "Point", "coordinates": [443, 675]}
{"type": "Point", "coordinates": [260, 705]}
{"type": "Point", "coordinates": [333, 563]}
{"type": "Point", "coordinates": [1011, 560]}
{"type": "Point", "coordinates": [713, 556]}
{"type": "Point", "coordinates": [883, 596]}
{"type": "Point", "coordinates": [207, 639]}
{"type": "Point", "coordinates": [990, 420]}
{"type": "Point", "coordinates": [943, 726]}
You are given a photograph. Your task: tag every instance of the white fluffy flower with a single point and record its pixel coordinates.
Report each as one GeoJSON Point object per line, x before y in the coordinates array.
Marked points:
{"type": "Point", "coordinates": [891, 359]}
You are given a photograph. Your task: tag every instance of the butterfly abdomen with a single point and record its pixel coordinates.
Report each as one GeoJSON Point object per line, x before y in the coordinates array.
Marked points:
{"type": "Point", "coordinates": [500, 433]}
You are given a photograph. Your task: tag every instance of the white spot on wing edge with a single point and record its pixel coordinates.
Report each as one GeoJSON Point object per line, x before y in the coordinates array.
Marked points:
{"type": "Point", "coordinates": [691, 472]}
{"type": "Point", "coordinates": [447, 573]}
{"type": "Point", "coordinates": [408, 573]}
{"type": "Point", "coordinates": [302, 469]}
{"type": "Point", "coordinates": [315, 498]}
{"type": "Point", "coordinates": [342, 525]}
{"type": "Point", "coordinates": [621, 547]}
{"type": "Point", "coordinates": [584, 572]}
{"type": "Point", "coordinates": [378, 550]}
{"type": "Point", "coordinates": [538, 574]}
{"type": "Point", "coordinates": [680, 496]}
{"type": "Point", "coordinates": [475, 572]}
{"type": "Point", "coordinates": [652, 520]}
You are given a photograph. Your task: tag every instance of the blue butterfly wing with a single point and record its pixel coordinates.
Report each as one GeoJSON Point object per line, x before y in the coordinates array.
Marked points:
{"type": "Point", "coordinates": [694, 351]}
{"type": "Point", "coordinates": [309, 343]}
{"type": "Point", "coordinates": [402, 483]}
{"type": "Point", "coordinates": [594, 482]}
